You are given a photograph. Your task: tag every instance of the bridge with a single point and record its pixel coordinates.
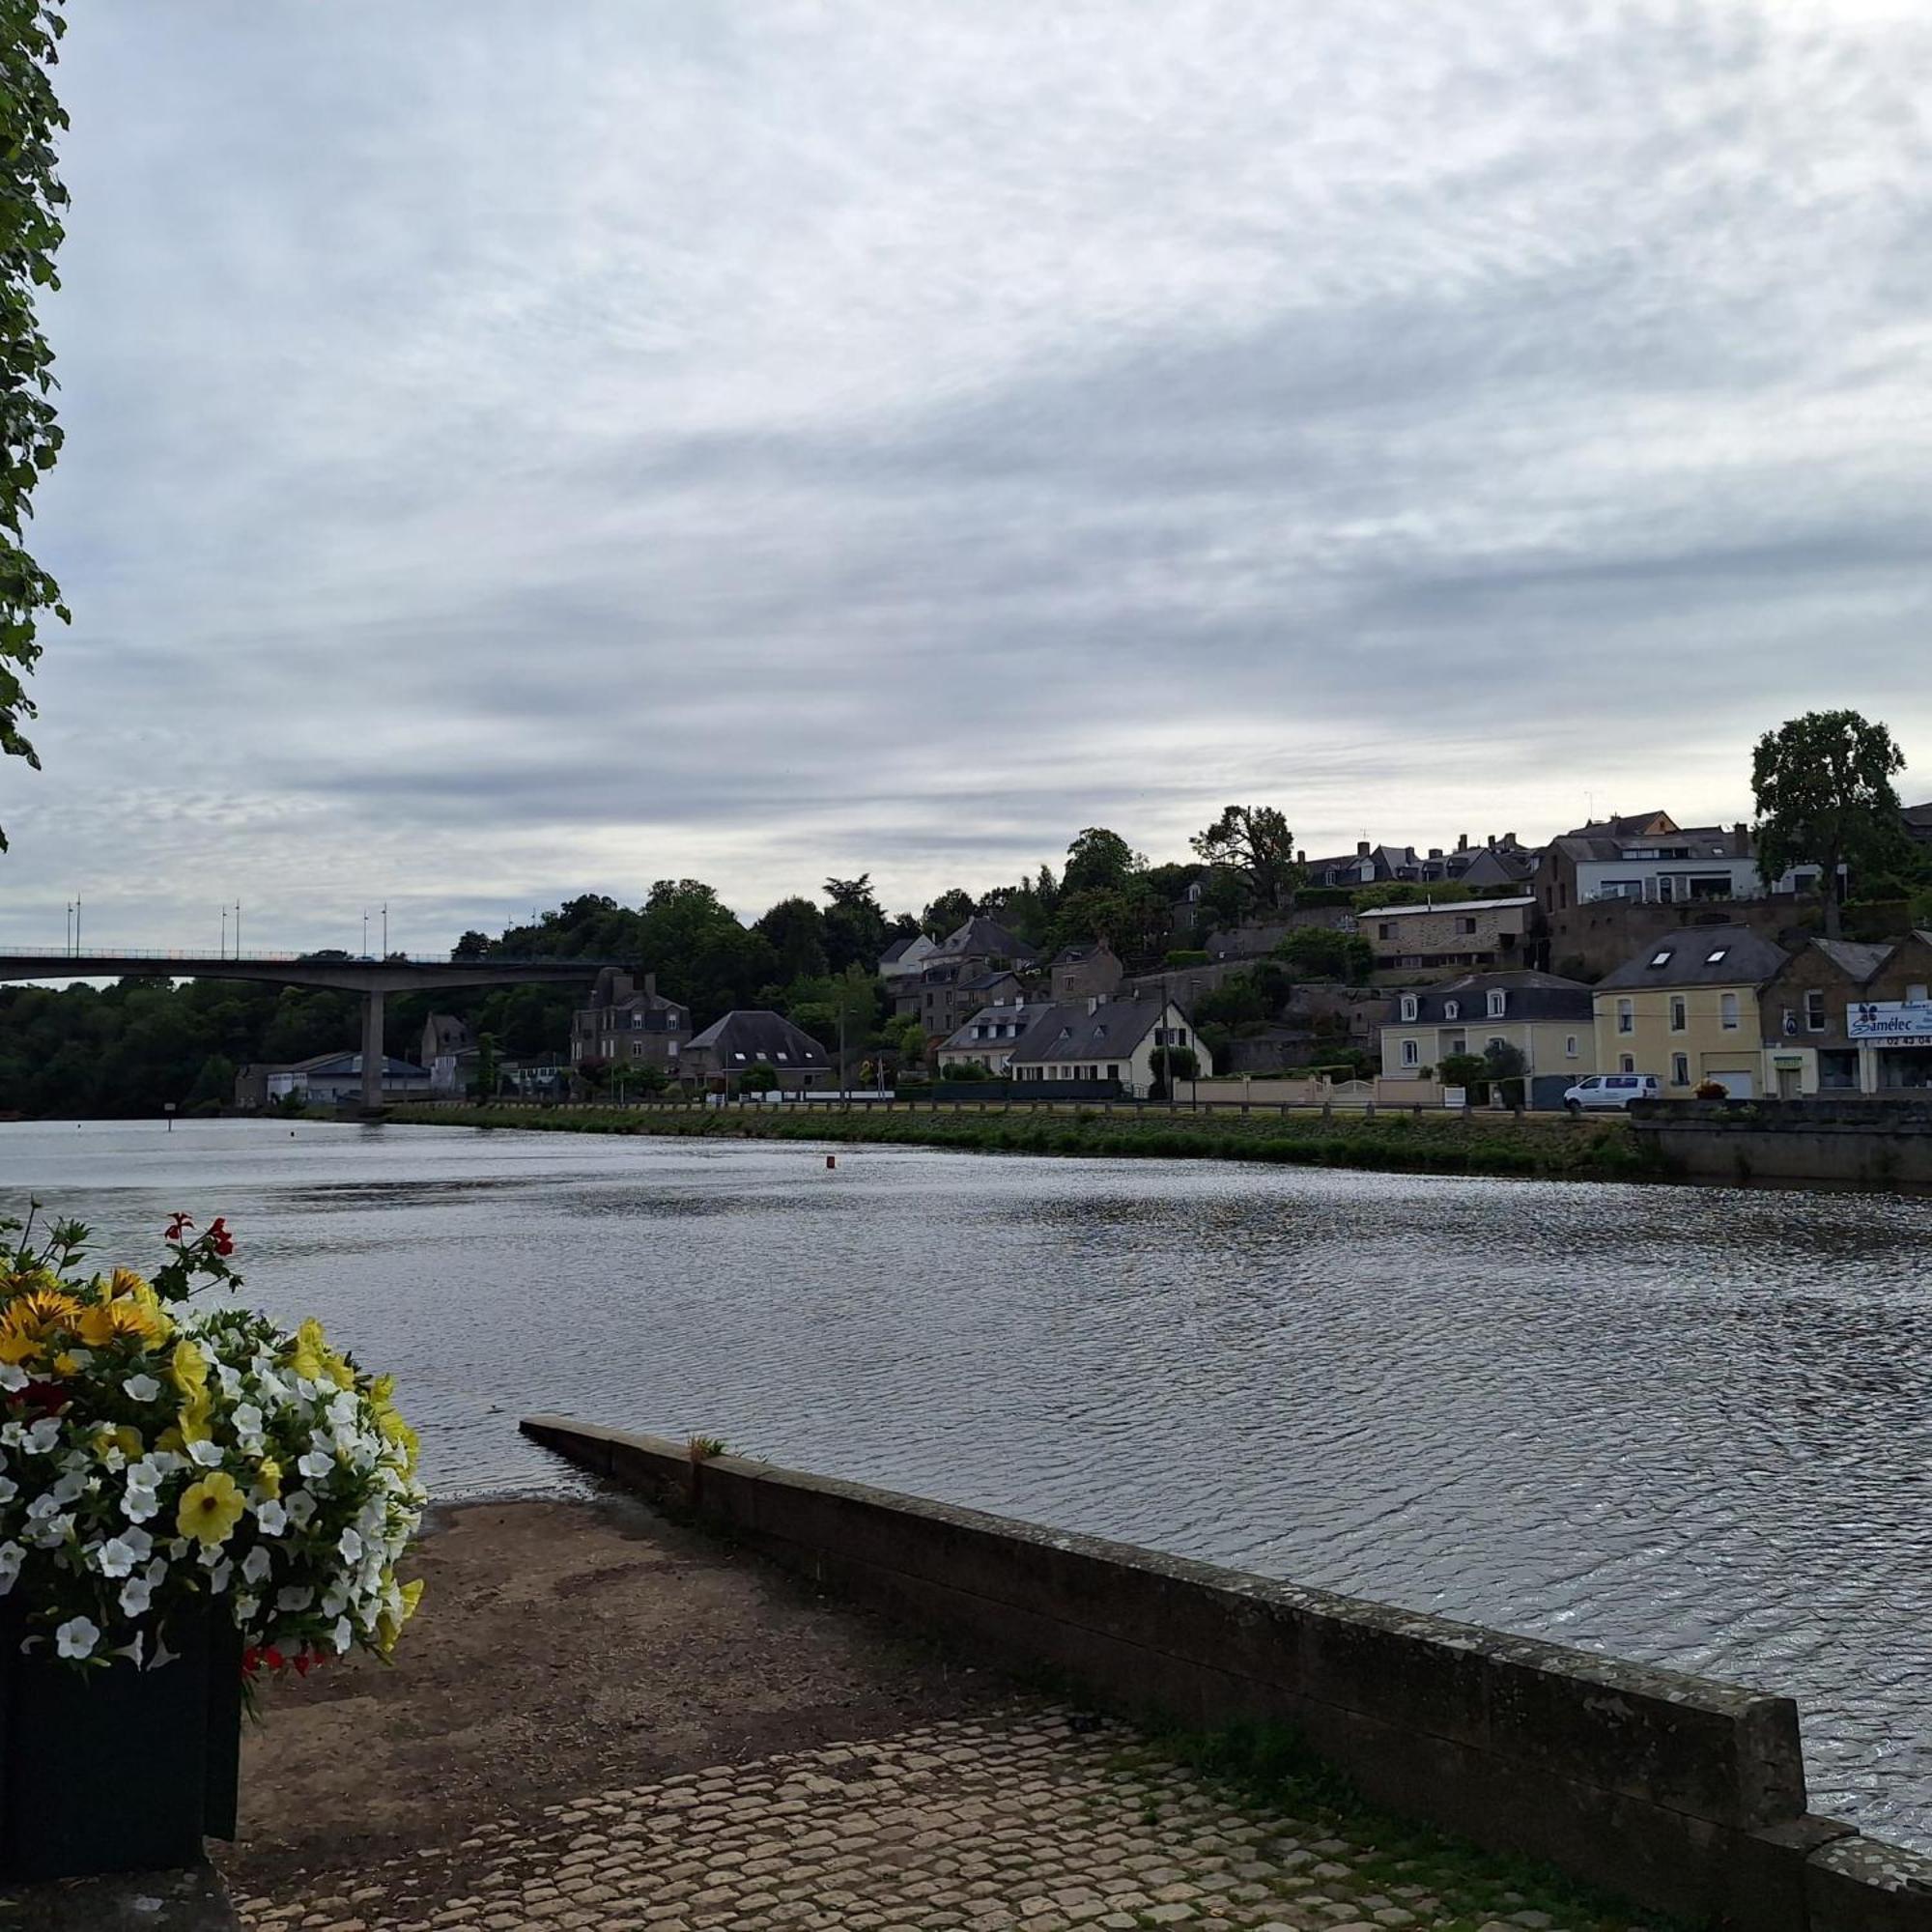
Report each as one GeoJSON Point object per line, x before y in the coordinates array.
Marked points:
{"type": "Point", "coordinates": [370, 977]}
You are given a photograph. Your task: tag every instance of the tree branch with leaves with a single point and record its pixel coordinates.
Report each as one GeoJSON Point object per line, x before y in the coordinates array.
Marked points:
{"type": "Point", "coordinates": [31, 203]}
{"type": "Point", "coordinates": [1254, 841]}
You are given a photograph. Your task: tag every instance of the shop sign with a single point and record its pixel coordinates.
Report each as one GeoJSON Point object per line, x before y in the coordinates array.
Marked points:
{"type": "Point", "coordinates": [1890, 1022]}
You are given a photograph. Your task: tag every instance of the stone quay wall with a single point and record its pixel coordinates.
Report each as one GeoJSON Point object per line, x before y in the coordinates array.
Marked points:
{"type": "Point", "coordinates": [1852, 1141]}
{"type": "Point", "coordinates": [1682, 1794]}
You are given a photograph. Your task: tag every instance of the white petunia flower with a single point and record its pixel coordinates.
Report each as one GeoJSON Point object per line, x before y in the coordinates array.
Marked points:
{"type": "Point", "coordinates": [256, 1565]}
{"type": "Point", "coordinates": [136, 1594]}
{"type": "Point", "coordinates": [40, 1437]}
{"type": "Point", "coordinates": [139, 1502]}
{"type": "Point", "coordinates": [11, 1377]}
{"type": "Point", "coordinates": [315, 1463]}
{"type": "Point", "coordinates": [343, 1634]}
{"type": "Point", "coordinates": [77, 1636]}
{"type": "Point", "coordinates": [117, 1557]}
{"type": "Point", "coordinates": [70, 1489]}
{"type": "Point", "coordinates": [301, 1506]}
{"type": "Point", "coordinates": [270, 1517]}
{"type": "Point", "coordinates": [207, 1454]}
{"type": "Point", "coordinates": [140, 1389]}
{"type": "Point", "coordinates": [349, 1545]}
{"type": "Point", "coordinates": [9, 1488]}
{"type": "Point", "coordinates": [293, 1598]}
{"type": "Point", "coordinates": [219, 1577]}
{"type": "Point", "coordinates": [12, 1556]}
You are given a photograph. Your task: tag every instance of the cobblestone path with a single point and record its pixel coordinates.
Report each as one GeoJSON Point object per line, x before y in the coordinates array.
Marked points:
{"type": "Point", "coordinates": [1039, 1821]}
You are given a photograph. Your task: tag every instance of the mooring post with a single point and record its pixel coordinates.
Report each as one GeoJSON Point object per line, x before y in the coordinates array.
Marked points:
{"type": "Point", "coordinates": [372, 1051]}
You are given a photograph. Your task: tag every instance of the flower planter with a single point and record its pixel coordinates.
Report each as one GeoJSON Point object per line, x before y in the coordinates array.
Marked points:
{"type": "Point", "coordinates": [117, 1768]}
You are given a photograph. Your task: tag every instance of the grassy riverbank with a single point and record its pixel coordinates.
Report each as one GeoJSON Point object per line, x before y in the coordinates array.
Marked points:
{"type": "Point", "coordinates": [1399, 1142]}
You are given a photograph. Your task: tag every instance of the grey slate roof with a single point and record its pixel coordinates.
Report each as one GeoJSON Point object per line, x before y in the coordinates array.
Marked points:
{"type": "Point", "coordinates": [982, 938]}
{"type": "Point", "coordinates": [1684, 959]}
{"type": "Point", "coordinates": [1530, 996]}
{"type": "Point", "coordinates": [1111, 1031]}
{"type": "Point", "coordinates": [1022, 1016]}
{"type": "Point", "coordinates": [755, 1037]}
{"type": "Point", "coordinates": [1853, 957]}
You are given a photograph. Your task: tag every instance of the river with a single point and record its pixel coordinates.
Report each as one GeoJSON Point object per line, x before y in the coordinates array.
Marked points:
{"type": "Point", "coordinates": [1687, 1425]}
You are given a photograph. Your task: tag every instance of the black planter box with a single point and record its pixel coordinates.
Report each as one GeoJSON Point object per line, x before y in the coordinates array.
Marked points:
{"type": "Point", "coordinates": [118, 1770]}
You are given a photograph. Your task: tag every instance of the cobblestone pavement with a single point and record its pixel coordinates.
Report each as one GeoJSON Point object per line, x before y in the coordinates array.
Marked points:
{"type": "Point", "coordinates": [1037, 1821]}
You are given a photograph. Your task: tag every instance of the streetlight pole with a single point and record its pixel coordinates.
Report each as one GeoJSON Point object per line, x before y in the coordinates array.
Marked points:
{"type": "Point", "coordinates": [365, 932]}
{"type": "Point", "coordinates": [77, 923]}
{"type": "Point", "coordinates": [385, 929]}
{"type": "Point", "coordinates": [238, 928]}
{"type": "Point", "coordinates": [224, 932]}
{"type": "Point", "coordinates": [70, 926]}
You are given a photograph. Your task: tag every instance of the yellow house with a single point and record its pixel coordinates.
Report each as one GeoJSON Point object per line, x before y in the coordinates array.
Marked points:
{"type": "Point", "coordinates": [1686, 1009]}
{"type": "Point", "coordinates": [1547, 1020]}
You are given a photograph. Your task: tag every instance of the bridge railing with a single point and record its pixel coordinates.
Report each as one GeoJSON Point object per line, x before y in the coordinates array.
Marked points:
{"type": "Point", "coordinates": [182, 956]}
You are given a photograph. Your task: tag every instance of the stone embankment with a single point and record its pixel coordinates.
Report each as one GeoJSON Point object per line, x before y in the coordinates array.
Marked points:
{"type": "Point", "coordinates": [1683, 1794]}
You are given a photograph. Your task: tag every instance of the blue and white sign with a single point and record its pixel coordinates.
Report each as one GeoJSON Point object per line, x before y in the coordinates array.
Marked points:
{"type": "Point", "coordinates": [1890, 1022]}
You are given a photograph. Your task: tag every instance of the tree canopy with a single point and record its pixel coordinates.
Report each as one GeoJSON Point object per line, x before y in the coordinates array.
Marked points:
{"type": "Point", "coordinates": [31, 201]}
{"type": "Point", "coordinates": [1825, 797]}
{"type": "Point", "coordinates": [1099, 861]}
{"type": "Point", "coordinates": [1253, 842]}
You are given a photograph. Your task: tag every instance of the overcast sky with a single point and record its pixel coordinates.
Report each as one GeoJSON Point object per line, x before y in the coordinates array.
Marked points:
{"type": "Point", "coordinates": [520, 450]}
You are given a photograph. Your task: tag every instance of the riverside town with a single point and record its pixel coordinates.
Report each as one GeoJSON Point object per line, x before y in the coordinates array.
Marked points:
{"type": "Point", "coordinates": [691, 1237]}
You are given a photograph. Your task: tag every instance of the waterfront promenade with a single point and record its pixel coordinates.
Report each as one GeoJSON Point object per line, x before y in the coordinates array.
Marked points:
{"type": "Point", "coordinates": [612, 1723]}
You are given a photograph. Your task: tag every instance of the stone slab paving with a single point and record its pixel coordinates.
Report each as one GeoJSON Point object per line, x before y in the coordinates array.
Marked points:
{"type": "Point", "coordinates": [1039, 1821]}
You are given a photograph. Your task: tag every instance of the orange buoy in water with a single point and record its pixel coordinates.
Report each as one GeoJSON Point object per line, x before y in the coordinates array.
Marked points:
{"type": "Point", "coordinates": [831, 1160]}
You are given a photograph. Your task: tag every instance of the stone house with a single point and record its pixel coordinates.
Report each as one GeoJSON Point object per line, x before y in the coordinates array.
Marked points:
{"type": "Point", "coordinates": [965, 961]}
{"type": "Point", "coordinates": [448, 1052]}
{"type": "Point", "coordinates": [750, 1039]}
{"type": "Point", "coordinates": [1466, 935]}
{"type": "Point", "coordinates": [1550, 1021]}
{"type": "Point", "coordinates": [948, 997]}
{"type": "Point", "coordinates": [1841, 1018]}
{"type": "Point", "coordinates": [1688, 1009]}
{"type": "Point", "coordinates": [1080, 972]}
{"type": "Point", "coordinates": [628, 1024]}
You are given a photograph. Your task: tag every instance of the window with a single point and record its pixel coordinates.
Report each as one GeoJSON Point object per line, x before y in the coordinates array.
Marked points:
{"type": "Point", "coordinates": [637, 1022]}
{"type": "Point", "coordinates": [1727, 1012]}
{"type": "Point", "coordinates": [1387, 929]}
{"type": "Point", "coordinates": [1661, 958]}
{"type": "Point", "coordinates": [1679, 1014]}
{"type": "Point", "coordinates": [1568, 1046]}
{"type": "Point", "coordinates": [1452, 1010]}
{"type": "Point", "coordinates": [1465, 926]}
{"type": "Point", "coordinates": [1716, 954]}
{"type": "Point", "coordinates": [1814, 1011]}
{"type": "Point", "coordinates": [636, 1049]}
{"type": "Point", "coordinates": [1494, 1041]}
{"type": "Point", "coordinates": [782, 1053]}
{"type": "Point", "coordinates": [1412, 1053]}
{"type": "Point", "coordinates": [1499, 1001]}
{"type": "Point", "coordinates": [1112, 1072]}
{"type": "Point", "coordinates": [1626, 1063]}
{"type": "Point", "coordinates": [1680, 1069]}
{"type": "Point", "coordinates": [1408, 1007]}
{"type": "Point", "coordinates": [1626, 1016]}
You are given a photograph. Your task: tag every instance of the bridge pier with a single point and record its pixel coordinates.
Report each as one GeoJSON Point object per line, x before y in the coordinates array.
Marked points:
{"type": "Point", "coordinates": [372, 1051]}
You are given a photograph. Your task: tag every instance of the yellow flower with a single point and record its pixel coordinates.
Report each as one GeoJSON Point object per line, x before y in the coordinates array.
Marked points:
{"type": "Point", "coordinates": [65, 1364]}
{"type": "Point", "coordinates": [111, 1320]}
{"type": "Point", "coordinates": [314, 1359]}
{"type": "Point", "coordinates": [127, 1438]}
{"type": "Point", "coordinates": [33, 1319]}
{"type": "Point", "coordinates": [189, 1368]}
{"type": "Point", "coordinates": [390, 1628]}
{"type": "Point", "coordinates": [268, 1473]}
{"type": "Point", "coordinates": [211, 1509]}
{"type": "Point", "coordinates": [390, 1422]}
{"type": "Point", "coordinates": [195, 1412]}
{"type": "Point", "coordinates": [124, 1281]}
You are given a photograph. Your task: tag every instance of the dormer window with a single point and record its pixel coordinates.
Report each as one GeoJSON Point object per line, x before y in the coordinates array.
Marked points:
{"type": "Point", "coordinates": [1498, 1000]}
{"type": "Point", "coordinates": [1409, 1005]}
{"type": "Point", "coordinates": [1716, 954]}
{"type": "Point", "coordinates": [1452, 1010]}
{"type": "Point", "coordinates": [1662, 958]}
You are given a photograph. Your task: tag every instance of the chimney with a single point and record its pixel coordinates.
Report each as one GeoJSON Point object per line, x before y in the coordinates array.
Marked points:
{"type": "Point", "coordinates": [1435, 851]}
{"type": "Point", "coordinates": [1362, 849]}
{"type": "Point", "coordinates": [1461, 841]}
{"type": "Point", "coordinates": [650, 985]}
{"type": "Point", "coordinates": [1300, 857]}
{"type": "Point", "coordinates": [1509, 838]}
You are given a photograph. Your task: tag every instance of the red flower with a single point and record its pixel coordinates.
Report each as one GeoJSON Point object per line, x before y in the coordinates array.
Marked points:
{"type": "Point", "coordinates": [218, 1236]}
{"type": "Point", "coordinates": [46, 1396]}
{"type": "Point", "coordinates": [251, 1660]}
{"type": "Point", "coordinates": [272, 1658]}
{"type": "Point", "coordinates": [302, 1661]}
{"type": "Point", "coordinates": [176, 1226]}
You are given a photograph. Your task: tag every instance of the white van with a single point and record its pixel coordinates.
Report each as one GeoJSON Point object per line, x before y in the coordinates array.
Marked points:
{"type": "Point", "coordinates": [1612, 1090]}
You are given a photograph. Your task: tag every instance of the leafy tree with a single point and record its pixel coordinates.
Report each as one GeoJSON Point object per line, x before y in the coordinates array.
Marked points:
{"type": "Point", "coordinates": [214, 1084]}
{"type": "Point", "coordinates": [970, 1069]}
{"type": "Point", "coordinates": [472, 944]}
{"type": "Point", "coordinates": [1099, 861]}
{"type": "Point", "coordinates": [1171, 1063]}
{"type": "Point", "coordinates": [1406, 892]}
{"type": "Point", "coordinates": [855, 924]}
{"type": "Point", "coordinates": [1469, 1070]}
{"type": "Point", "coordinates": [1027, 908]}
{"type": "Point", "coordinates": [1226, 900]}
{"type": "Point", "coordinates": [1824, 791]}
{"type": "Point", "coordinates": [795, 928]}
{"type": "Point", "coordinates": [489, 1075]}
{"type": "Point", "coordinates": [1131, 919]}
{"type": "Point", "coordinates": [1255, 841]}
{"type": "Point", "coordinates": [1320, 953]}
{"type": "Point", "coordinates": [31, 201]}
{"type": "Point", "coordinates": [757, 1080]}
{"type": "Point", "coordinates": [948, 913]}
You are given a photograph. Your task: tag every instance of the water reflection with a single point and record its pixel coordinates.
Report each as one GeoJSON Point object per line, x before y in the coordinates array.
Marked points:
{"type": "Point", "coordinates": [1684, 1425]}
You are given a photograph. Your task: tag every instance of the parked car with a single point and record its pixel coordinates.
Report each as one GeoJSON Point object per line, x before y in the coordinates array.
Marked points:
{"type": "Point", "coordinates": [1612, 1090]}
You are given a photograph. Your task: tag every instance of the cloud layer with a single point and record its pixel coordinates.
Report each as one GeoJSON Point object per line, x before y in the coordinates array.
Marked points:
{"type": "Point", "coordinates": [511, 455]}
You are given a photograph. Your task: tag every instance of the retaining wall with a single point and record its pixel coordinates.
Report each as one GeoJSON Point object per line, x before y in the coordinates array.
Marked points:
{"type": "Point", "coordinates": [1682, 1794]}
{"type": "Point", "coordinates": [1856, 1141]}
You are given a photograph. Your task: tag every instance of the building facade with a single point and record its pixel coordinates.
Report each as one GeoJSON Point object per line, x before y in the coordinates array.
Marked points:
{"type": "Point", "coordinates": [754, 1040]}
{"type": "Point", "coordinates": [1550, 1021]}
{"type": "Point", "coordinates": [1104, 1039]}
{"type": "Point", "coordinates": [1688, 1009]}
{"type": "Point", "coordinates": [1459, 935]}
{"type": "Point", "coordinates": [1841, 1018]}
{"type": "Point", "coordinates": [628, 1024]}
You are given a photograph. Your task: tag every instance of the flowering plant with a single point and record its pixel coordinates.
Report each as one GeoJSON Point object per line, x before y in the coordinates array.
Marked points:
{"type": "Point", "coordinates": [159, 1458]}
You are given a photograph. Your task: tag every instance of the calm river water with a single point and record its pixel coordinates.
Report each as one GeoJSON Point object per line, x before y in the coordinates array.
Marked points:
{"type": "Point", "coordinates": [1686, 1426]}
